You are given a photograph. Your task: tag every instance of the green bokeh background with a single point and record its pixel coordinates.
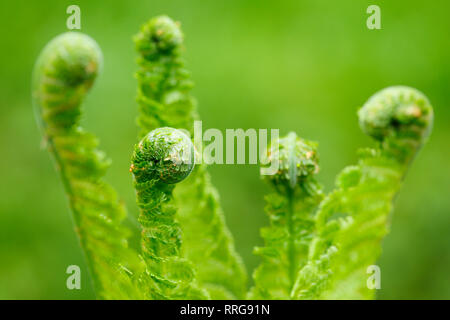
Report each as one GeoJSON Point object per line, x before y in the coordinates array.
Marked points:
{"type": "Point", "coordinates": [303, 65]}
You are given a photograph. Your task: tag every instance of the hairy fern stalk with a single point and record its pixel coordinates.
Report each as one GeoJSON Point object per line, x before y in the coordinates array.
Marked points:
{"type": "Point", "coordinates": [317, 245]}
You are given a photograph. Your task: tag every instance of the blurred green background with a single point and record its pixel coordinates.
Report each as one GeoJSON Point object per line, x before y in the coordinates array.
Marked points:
{"type": "Point", "coordinates": [304, 65]}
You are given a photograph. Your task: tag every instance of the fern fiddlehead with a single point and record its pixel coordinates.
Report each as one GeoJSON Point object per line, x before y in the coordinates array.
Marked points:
{"type": "Point", "coordinates": [353, 219]}
{"type": "Point", "coordinates": [164, 98]}
{"type": "Point", "coordinates": [64, 72]}
{"type": "Point", "coordinates": [291, 210]}
{"type": "Point", "coordinates": [162, 158]}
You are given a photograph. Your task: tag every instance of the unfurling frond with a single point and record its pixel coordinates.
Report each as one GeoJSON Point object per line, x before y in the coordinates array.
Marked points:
{"type": "Point", "coordinates": [64, 72]}
{"type": "Point", "coordinates": [291, 211]}
{"type": "Point", "coordinates": [354, 218]}
{"type": "Point", "coordinates": [162, 158]}
{"type": "Point", "coordinates": [316, 247]}
{"type": "Point", "coordinates": [164, 98]}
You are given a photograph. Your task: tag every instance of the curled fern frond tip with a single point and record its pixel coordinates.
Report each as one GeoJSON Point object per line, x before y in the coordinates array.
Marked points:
{"type": "Point", "coordinates": [297, 159]}
{"type": "Point", "coordinates": [164, 154]}
{"type": "Point", "coordinates": [73, 58]}
{"type": "Point", "coordinates": [398, 112]}
{"type": "Point", "coordinates": [64, 72]}
{"type": "Point", "coordinates": [159, 35]}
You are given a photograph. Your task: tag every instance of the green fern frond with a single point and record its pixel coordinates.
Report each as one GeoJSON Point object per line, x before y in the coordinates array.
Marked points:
{"type": "Point", "coordinates": [164, 98]}
{"type": "Point", "coordinates": [291, 212]}
{"type": "Point", "coordinates": [63, 74]}
{"type": "Point", "coordinates": [162, 158]}
{"type": "Point", "coordinates": [354, 218]}
{"type": "Point", "coordinates": [316, 246]}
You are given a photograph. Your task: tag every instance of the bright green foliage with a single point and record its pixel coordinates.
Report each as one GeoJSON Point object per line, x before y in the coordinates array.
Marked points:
{"type": "Point", "coordinates": [63, 74]}
{"type": "Point", "coordinates": [291, 211]}
{"type": "Point", "coordinates": [354, 218]}
{"type": "Point", "coordinates": [316, 247]}
{"type": "Point", "coordinates": [165, 100]}
{"type": "Point", "coordinates": [163, 157]}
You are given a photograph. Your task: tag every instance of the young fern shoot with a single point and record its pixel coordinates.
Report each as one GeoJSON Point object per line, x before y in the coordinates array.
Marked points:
{"type": "Point", "coordinates": [354, 218]}
{"type": "Point", "coordinates": [291, 211]}
{"type": "Point", "coordinates": [164, 98]}
{"type": "Point", "coordinates": [64, 72]}
{"type": "Point", "coordinates": [316, 246]}
{"type": "Point", "coordinates": [162, 158]}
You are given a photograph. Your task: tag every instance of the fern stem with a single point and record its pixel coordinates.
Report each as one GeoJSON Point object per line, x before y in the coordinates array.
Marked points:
{"type": "Point", "coordinates": [291, 143]}
{"type": "Point", "coordinates": [291, 243]}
